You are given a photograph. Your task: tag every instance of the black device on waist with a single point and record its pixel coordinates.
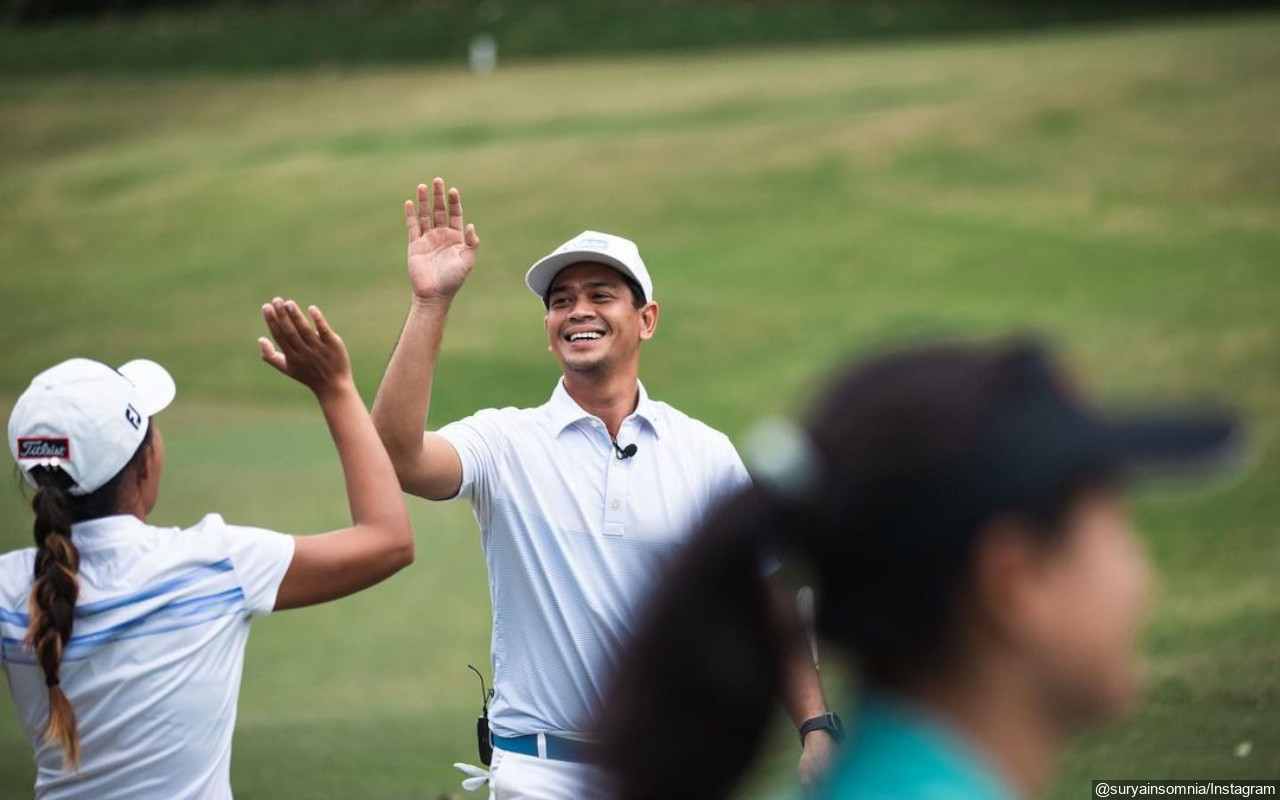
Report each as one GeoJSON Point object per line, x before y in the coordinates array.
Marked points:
{"type": "Point", "coordinates": [484, 740]}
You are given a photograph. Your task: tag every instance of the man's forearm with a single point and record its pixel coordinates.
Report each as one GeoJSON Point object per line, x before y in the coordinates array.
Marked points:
{"type": "Point", "coordinates": [802, 688]}
{"type": "Point", "coordinates": [403, 402]}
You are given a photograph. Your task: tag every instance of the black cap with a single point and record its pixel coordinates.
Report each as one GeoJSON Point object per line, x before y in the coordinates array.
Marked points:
{"type": "Point", "coordinates": [1039, 439]}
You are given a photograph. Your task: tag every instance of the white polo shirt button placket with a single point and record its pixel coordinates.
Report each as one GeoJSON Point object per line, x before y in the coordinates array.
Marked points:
{"type": "Point", "coordinates": [616, 482]}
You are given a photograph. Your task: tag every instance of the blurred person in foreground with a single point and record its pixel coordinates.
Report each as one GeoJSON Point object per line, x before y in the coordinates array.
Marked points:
{"type": "Point", "coordinates": [962, 517]}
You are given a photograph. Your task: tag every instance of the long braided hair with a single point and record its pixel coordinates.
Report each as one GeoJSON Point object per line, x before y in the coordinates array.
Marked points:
{"type": "Point", "coordinates": [55, 588]}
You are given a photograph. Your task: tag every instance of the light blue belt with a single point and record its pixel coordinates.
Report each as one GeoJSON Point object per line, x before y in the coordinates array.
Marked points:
{"type": "Point", "coordinates": [553, 748]}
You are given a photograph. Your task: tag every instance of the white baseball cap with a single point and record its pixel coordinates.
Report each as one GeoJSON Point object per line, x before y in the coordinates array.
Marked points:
{"type": "Point", "coordinates": [601, 248]}
{"type": "Point", "coordinates": [87, 419]}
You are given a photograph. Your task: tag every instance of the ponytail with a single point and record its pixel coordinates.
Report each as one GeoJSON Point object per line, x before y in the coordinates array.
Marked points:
{"type": "Point", "coordinates": [53, 601]}
{"type": "Point", "coordinates": [699, 685]}
{"type": "Point", "coordinates": [55, 588]}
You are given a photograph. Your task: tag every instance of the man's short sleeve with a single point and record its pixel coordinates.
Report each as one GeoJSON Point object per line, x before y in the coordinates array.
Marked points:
{"type": "Point", "coordinates": [732, 475]}
{"type": "Point", "coordinates": [260, 559]}
{"type": "Point", "coordinates": [476, 439]}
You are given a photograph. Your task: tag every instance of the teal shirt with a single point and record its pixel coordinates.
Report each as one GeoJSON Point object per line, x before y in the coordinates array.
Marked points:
{"type": "Point", "coordinates": [895, 752]}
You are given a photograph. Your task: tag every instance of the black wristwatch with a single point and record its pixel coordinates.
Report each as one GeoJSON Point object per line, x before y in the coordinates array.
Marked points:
{"type": "Point", "coordinates": [829, 722]}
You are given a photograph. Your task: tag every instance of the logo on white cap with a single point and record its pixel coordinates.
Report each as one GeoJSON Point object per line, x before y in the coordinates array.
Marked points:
{"type": "Point", "coordinates": [44, 447]}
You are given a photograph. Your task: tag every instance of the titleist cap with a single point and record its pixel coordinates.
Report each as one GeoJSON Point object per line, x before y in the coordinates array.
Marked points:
{"type": "Point", "coordinates": [87, 419]}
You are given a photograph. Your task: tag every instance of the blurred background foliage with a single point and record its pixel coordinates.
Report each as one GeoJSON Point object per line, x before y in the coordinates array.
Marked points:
{"type": "Point", "coordinates": [144, 35]}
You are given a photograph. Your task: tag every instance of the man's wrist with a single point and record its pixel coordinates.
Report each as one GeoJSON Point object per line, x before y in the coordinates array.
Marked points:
{"type": "Point", "coordinates": [434, 303]}
{"type": "Point", "coordinates": [820, 733]}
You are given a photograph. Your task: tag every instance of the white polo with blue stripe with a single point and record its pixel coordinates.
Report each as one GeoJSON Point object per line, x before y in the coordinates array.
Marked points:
{"type": "Point", "coordinates": [574, 537]}
{"type": "Point", "coordinates": [154, 663]}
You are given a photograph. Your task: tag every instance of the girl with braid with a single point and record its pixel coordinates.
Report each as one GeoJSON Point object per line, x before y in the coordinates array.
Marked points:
{"type": "Point", "coordinates": [962, 520]}
{"type": "Point", "coordinates": [123, 642]}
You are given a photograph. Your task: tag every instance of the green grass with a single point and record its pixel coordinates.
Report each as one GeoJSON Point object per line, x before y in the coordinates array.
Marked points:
{"type": "Point", "coordinates": [1119, 191]}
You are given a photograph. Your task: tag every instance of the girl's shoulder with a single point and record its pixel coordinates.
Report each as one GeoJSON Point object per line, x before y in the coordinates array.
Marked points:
{"type": "Point", "coordinates": [15, 578]}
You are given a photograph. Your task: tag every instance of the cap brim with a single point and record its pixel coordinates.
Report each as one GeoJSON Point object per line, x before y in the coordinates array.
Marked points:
{"type": "Point", "coordinates": [541, 274]}
{"type": "Point", "coordinates": [154, 384]}
{"type": "Point", "coordinates": [1176, 443]}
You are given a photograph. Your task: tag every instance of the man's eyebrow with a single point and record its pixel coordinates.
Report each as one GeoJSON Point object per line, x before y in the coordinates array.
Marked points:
{"type": "Point", "coordinates": [588, 285]}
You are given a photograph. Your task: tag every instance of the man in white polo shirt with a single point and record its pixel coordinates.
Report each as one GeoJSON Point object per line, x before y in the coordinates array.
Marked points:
{"type": "Point", "coordinates": [580, 501]}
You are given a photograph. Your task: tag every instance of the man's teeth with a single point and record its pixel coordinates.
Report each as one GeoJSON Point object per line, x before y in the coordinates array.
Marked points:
{"type": "Point", "coordinates": [577, 337]}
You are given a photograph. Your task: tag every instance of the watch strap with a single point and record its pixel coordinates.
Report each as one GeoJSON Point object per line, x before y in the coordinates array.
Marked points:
{"type": "Point", "coordinates": [829, 722]}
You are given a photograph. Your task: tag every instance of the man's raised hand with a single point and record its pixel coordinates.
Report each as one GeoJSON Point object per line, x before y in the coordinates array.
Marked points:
{"type": "Point", "coordinates": [442, 248]}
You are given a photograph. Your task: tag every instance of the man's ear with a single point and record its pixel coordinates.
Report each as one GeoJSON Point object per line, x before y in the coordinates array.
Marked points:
{"type": "Point", "coordinates": [648, 320]}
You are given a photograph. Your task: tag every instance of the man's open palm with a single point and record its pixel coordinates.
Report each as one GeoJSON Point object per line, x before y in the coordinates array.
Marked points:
{"type": "Point", "coordinates": [442, 248]}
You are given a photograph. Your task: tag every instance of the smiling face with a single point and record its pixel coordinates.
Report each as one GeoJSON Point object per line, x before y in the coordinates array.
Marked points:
{"type": "Point", "coordinates": [593, 323]}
